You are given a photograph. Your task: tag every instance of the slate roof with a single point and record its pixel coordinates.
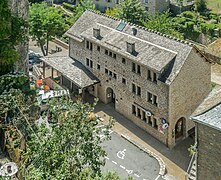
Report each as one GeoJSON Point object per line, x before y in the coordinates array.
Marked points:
{"type": "Point", "coordinates": [210, 118]}
{"type": "Point", "coordinates": [155, 50]}
{"type": "Point", "coordinates": [72, 69]}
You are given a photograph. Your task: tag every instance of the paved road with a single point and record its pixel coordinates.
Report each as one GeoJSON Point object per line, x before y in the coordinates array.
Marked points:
{"type": "Point", "coordinates": [127, 160]}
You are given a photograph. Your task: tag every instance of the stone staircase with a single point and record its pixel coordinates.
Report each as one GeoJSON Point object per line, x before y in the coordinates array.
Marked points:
{"type": "Point", "coordinates": [192, 173]}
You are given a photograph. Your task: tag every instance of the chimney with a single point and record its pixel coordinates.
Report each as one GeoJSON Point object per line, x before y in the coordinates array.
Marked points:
{"type": "Point", "coordinates": [97, 33]}
{"type": "Point", "coordinates": [130, 47]}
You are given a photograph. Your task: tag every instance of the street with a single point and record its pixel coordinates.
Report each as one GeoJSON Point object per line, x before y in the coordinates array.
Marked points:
{"type": "Point", "coordinates": [128, 160]}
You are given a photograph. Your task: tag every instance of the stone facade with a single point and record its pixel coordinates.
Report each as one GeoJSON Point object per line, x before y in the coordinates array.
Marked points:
{"type": "Point", "coordinates": [157, 86]}
{"type": "Point", "coordinates": [187, 91]}
{"type": "Point", "coordinates": [20, 8]}
{"type": "Point", "coordinates": [208, 154]}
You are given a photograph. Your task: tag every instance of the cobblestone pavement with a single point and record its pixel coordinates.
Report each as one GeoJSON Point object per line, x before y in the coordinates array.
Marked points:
{"type": "Point", "coordinates": [176, 160]}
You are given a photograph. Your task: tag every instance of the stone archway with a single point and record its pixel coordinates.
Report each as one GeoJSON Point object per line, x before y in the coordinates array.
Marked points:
{"type": "Point", "coordinates": [180, 129]}
{"type": "Point", "coordinates": [110, 96]}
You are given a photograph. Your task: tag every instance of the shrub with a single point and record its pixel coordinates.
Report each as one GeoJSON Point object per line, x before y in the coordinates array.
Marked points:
{"type": "Point", "coordinates": [189, 14]}
{"type": "Point", "coordinates": [68, 6]}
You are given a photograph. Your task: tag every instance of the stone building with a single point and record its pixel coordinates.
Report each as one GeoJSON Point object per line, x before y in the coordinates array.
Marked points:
{"type": "Point", "coordinates": [151, 6]}
{"type": "Point", "coordinates": [153, 79]}
{"type": "Point", "coordinates": [20, 8]}
{"type": "Point", "coordinates": [208, 138]}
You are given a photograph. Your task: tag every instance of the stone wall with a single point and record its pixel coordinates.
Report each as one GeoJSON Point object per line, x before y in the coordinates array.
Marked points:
{"type": "Point", "coordinates": [20, 8]}
{"type": "Point", "coordinates": [188, 90]}
{"type": "Point", "coordinates": [208, 156]}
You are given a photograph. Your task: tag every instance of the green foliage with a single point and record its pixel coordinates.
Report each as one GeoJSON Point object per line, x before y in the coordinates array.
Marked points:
{"type": "Point", "coordinates": [14, 81]}
{"type": "Point", "coordinates": [72, 144]}
{"type": "Point", "coordinates": [68, 6]}
{"type": "Point", "coordinates": [162, 23]}
{"type": "Point", "coordinates": [201, 5]}
{"type": "Point", "coordinates": [45, 24]}
{"type": "Point", "coordinates": [112, 12]}
{"type": "Point", "coordinates": [131, 11]}
{"type": "Point", "coordinates": [82, 6]}
{"type": "Point", "coordinates": [12, 32]}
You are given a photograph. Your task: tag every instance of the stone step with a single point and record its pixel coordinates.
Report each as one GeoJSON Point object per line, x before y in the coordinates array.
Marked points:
{"type": "Point", "coordinates": [193, 173]}
{"type": "Point", "coordinates": [192, 178]}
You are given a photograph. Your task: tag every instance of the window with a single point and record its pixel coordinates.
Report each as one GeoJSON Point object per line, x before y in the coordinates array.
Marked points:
{"type": "Point", "coordinates": [134, 88]}
{"type": "Point", "coordinates": [98, 48]}
{"type": "Point", "coordinates": [98, 66]}
{"type": "Point", "coordinates": [106, 52]}
{"type": "Point", "coordinates": [87, 61]}
{"type": "Point", "coordinates": [115, 76]}
{"type": "Point", "coordinates": [123, 60]}
{"type": "Point", "coordinates": [87, 44]}
{"type": "Point", "coordinates": [110, 53]}
{"type": "Point", "coordinates": [149, 75]}
{"type": "Point", "coordinates": [150, 121]}
{"type": "Point", "coordinates": [155, 123]}
{"type": "Point", "coordinates": [133, 67]}
{"type": "Point", "coordinates": [146, 1]}
{"type": "Point", "coordinates": [144, 116]}
{"type": "Point", "coordinates": [138, 113]}
{"type": "Point", "coordinates": [154, 77]}
{"type": "Point", "coordinates": [147, 8]}
{"type": "Point", "coordinates": [138, 69]}
{"type": "Point", "coordinates": [155, 100]}
{"type": "Point", "coordinates": [138, 91]}
{"type": "Point", "coordinates": [110, 73]}
{"type": "Point", "coordinates": [114, 56]}
{"type": "Point", "coordinates": [123, 80]}
{"type": "Point", "coordinates": [152, 98]}
{"type": "Point", "coordinates": [106, 71]}
{"type": "Point", "coordinates": [149, 97]}
{"type": "Point", "coordinates": [91, 46]}
{"type": "Point", "coordinates": [133, 109]}
{"type": "Point", "coordinates": [91, 64]}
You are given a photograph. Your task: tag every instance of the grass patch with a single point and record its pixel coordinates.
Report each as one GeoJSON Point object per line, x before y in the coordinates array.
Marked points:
{"type": "Point", "coordinates": [214, 6]}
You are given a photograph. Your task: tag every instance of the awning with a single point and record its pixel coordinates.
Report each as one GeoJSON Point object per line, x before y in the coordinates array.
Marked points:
{"type": "Point", "coordinates": [72, 70]}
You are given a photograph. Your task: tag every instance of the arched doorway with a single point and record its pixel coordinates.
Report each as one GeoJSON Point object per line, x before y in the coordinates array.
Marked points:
{"type": "Point", "coordinates": [110, 95]}
{"type": "Point", "coordinates": [180, 129]}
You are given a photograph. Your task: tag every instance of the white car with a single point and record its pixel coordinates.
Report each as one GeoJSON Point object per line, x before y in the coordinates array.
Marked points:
{"type": "Point", "coordinates": [44, 97]}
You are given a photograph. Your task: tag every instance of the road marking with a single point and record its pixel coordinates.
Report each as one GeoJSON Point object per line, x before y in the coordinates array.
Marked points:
{"type": "Point", "coordinates": [136, 175]}
{"type": "Point", "coordinates": [122, 167]}
{"type": "Point", "coordinates": [129, 171]}
{"type": "Point", "coordinates": [106, 157]}
{"type": "Point", "coordinates": [114, 162]}
{"type": "Point", "coordinates": [121, 154]}
{"type": "Point", "coordinates": [157, 177]}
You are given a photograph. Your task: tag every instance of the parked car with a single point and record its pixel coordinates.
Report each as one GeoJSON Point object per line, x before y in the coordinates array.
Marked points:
{"type": "Point", "coordinates": [43, 98]}
{"type": "Point", "coordinates": [33, 57]}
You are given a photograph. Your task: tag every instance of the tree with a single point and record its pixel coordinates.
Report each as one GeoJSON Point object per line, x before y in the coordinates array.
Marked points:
{"type": "Point", "coordinates": [112, 12]}
{"type": "Point", "coordinates": [12, 32]}
{"type": "Point", "coordinates": [70, 147]}
{"type": "Point", "coordinates": [82, 6]}
{"type": "Point", "coordinates": [162, 23]}
{"type": "Point", "coordinates": [45, 24]}
{"type": "Point", "coordinates": [201, 5]}
{"type": "Point", "coordinates": [132, 11]}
